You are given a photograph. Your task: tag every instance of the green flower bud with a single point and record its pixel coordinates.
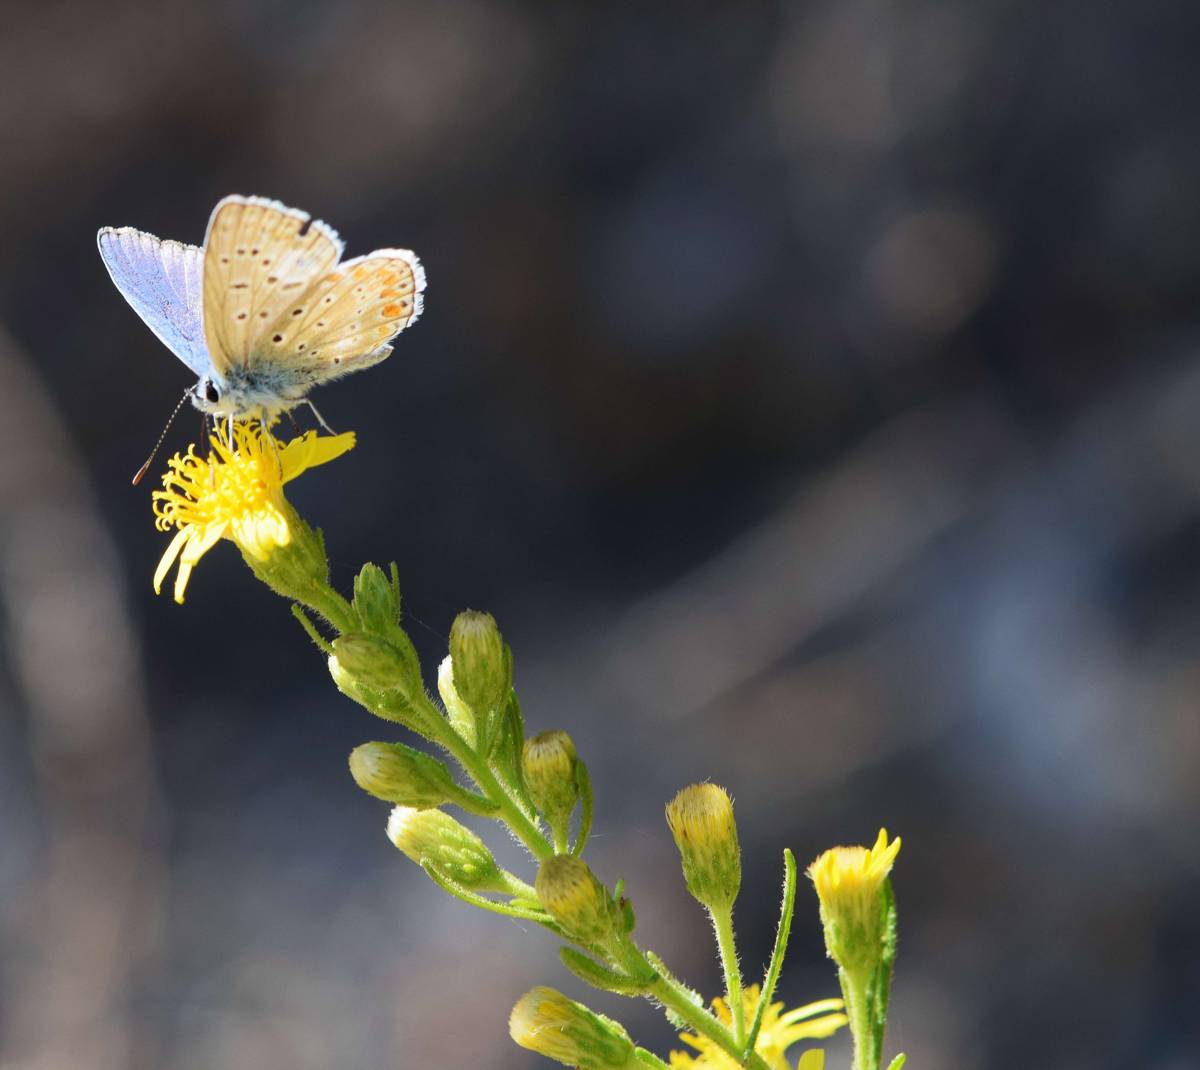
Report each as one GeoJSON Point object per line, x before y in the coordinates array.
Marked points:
{"type": "Point", "coordinates": [549, 761]}
{"type": "Point", "coordinates": [460, 717]}
{"type": "Point", "coordinates": [376, 600]}
{"type": "Point", "coordinates": [701, 820]}
{"type": "Point", "coordinates": [435, 837]}
{"type": "Point", "coordinates": [377, 664]}
{"type": "Point", "coordinates": [400, 774]}
{"type": "Point", "coordinates": [569, 891]}
{"type": "Point", "coordinates": [293, 568]}
{"type": "Point", "coordinates": [482, 664]}
{"type": "Point", "coordinates": [547, 1022]}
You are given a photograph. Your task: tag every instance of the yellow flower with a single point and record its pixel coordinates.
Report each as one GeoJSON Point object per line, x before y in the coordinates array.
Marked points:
{"type": "Point", "coordinates": [236, 492]}
{"type": "Point", "coordinates": [849, 883]}
{"type": "Point", "coordinates": [778, 1033]}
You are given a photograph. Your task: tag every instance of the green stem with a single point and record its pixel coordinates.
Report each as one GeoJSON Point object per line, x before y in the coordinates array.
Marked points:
{"type": "Point", "coordinates": [855, 987]}
{"type": "Point", "coordinates": [723, 924]}
{"type": "Point", "coordinates": [507, 809]}
{"type": "Point", "coordinates": [672, 995]}
{"type": "Point", "coordinates": [476, 900]}
{"type": "Point", "coordinates": [332, 606]}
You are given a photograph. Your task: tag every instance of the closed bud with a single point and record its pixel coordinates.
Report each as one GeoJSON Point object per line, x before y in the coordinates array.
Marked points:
{"type": "Point", "coordinates": [376, 600]}
{"type": "Point", "coordinates": [400, 774]}
{"type": "Point", "coordinates": [431, 836]}
{"type": "Point", "coordinates": [376, 664]}
{"type": "Point", "coordinates": [461, 719]}
{"type": "Point", "coordinates": [573, 896]}
{"type": "Point", "coordinates": [549, 761]}
{"type": "Point", "coordinates": [547, 1022]}
{"type": "Point", "coordinates": [701, 820]}
{"type": "Point", "coordinates": [850, 887]}
{"type": "Point", "coordinates": [482, 666]}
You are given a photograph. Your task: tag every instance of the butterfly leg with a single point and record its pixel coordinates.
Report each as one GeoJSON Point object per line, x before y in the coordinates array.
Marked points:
{"type": "Point", "coordinates": [320, 418]}
{"type": "Point", "coordinates": [266, 432]}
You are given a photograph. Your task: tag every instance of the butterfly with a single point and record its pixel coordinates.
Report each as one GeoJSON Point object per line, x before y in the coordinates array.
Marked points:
{"type": "Point", "coordinates": [266, 309]}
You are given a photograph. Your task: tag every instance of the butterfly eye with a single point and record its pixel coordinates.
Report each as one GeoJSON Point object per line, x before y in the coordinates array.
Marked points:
{"type": "Point", "coordinates": [211, 393]}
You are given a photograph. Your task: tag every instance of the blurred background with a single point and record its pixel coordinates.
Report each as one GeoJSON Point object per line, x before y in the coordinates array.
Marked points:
{"type": "Point", "coordinates": [810, 391]}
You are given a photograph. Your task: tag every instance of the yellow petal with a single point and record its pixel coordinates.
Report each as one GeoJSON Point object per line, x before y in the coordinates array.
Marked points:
{"type": "Point", "coordinates": [260, 532]}
{"type": "Point", "coordinates": [310, 450]}
{"type": "Point", "coordinates": [813, 1059]}
{"type": "Point", "coordinates": [168, 558]}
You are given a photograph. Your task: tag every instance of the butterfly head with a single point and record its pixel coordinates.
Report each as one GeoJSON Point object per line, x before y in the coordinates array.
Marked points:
{"type": "Point", "coordinates": [207, 396]}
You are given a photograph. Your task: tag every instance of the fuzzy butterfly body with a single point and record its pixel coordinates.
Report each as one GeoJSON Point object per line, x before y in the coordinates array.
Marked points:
{"type": "Point", "coordinates": [267, 309]}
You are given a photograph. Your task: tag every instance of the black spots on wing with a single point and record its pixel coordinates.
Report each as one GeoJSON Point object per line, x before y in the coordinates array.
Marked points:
{"type": "Point", "coordinates": [277, 338]}
{"type": "Point", "coordinates": [297, 312]}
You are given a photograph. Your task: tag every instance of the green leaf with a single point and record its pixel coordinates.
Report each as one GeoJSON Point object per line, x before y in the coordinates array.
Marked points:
{"type": "Point", "coordinates": [591, 972]}
{"type": "Point", "coordinates": [781, 940]}
{"type": "Point", "coordinates": [584, 782]}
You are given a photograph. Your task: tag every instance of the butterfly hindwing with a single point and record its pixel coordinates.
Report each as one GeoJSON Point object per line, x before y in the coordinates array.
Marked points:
{"type": "Point", "coordinates": [163, 282]}
{"type": "Point", "coordinates": [259, 258]}
{"type": "Point", "coordinates": [344, 321]}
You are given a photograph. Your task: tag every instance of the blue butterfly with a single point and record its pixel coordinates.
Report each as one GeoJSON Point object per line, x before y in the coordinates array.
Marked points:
{"type": "Point", "coordinates": [265, 310]}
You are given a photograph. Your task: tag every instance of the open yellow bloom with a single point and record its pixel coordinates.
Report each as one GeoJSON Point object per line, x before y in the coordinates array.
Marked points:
{"type": "Point", "coordinates": [778, 1033]}
{"type": "Point", "coordinates": [236, 492]}
{"type": "Point", "coordinates": [849, 883]}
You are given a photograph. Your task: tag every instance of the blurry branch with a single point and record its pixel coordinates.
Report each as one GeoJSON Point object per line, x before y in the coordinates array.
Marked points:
{"type": "Point", "coordinates": [89, 901]}
{"type": "Point", "coordinates": [841, 539]}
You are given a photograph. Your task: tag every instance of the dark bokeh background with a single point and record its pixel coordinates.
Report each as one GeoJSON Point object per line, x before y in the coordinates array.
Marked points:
{"type": "Point", "coordinates": [811, 392]}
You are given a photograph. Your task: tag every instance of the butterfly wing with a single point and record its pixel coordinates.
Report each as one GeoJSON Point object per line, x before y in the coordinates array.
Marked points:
{"type": "Point", "coordinates": [259, 257]}
{"type": "Point", "coordinates": [345, 320]}
{"type": "Point", "coordinates": [163, 282]}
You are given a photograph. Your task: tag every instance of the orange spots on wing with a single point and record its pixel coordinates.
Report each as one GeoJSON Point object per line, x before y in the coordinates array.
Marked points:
{"type": "Point", "coordinates": [335, 277]}
{"type": "Point", "coordinates": [386, 278]}
{"type": "Point", "coordinates": [359, 272]}
{"type": "Point", "coordinates": [385, 294]}
{"type": "Point", "coordinates": [392, 311]}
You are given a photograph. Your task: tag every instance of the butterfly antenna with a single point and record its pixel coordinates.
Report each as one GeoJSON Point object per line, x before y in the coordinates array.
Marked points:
{"type": "Point", "coordinates": [137, 478]}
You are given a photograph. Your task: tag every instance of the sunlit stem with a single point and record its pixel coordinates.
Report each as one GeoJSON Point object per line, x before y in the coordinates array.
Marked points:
{"type": "Point", "coordinates": [508, 810]}
{"type": "Point", "coordinates": [723, 926]}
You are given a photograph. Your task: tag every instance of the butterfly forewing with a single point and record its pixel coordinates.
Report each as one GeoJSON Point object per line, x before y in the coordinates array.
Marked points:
{"type": "Point", "coordinates": [258, 260]}
{"type": "Point", "coordinates": [163, 282]}
{"type": "Point", "coordinates": [344, 320]}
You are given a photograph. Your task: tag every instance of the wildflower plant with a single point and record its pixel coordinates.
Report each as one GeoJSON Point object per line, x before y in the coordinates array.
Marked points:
{"type": "Point", "coordinates": [477, 757]}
